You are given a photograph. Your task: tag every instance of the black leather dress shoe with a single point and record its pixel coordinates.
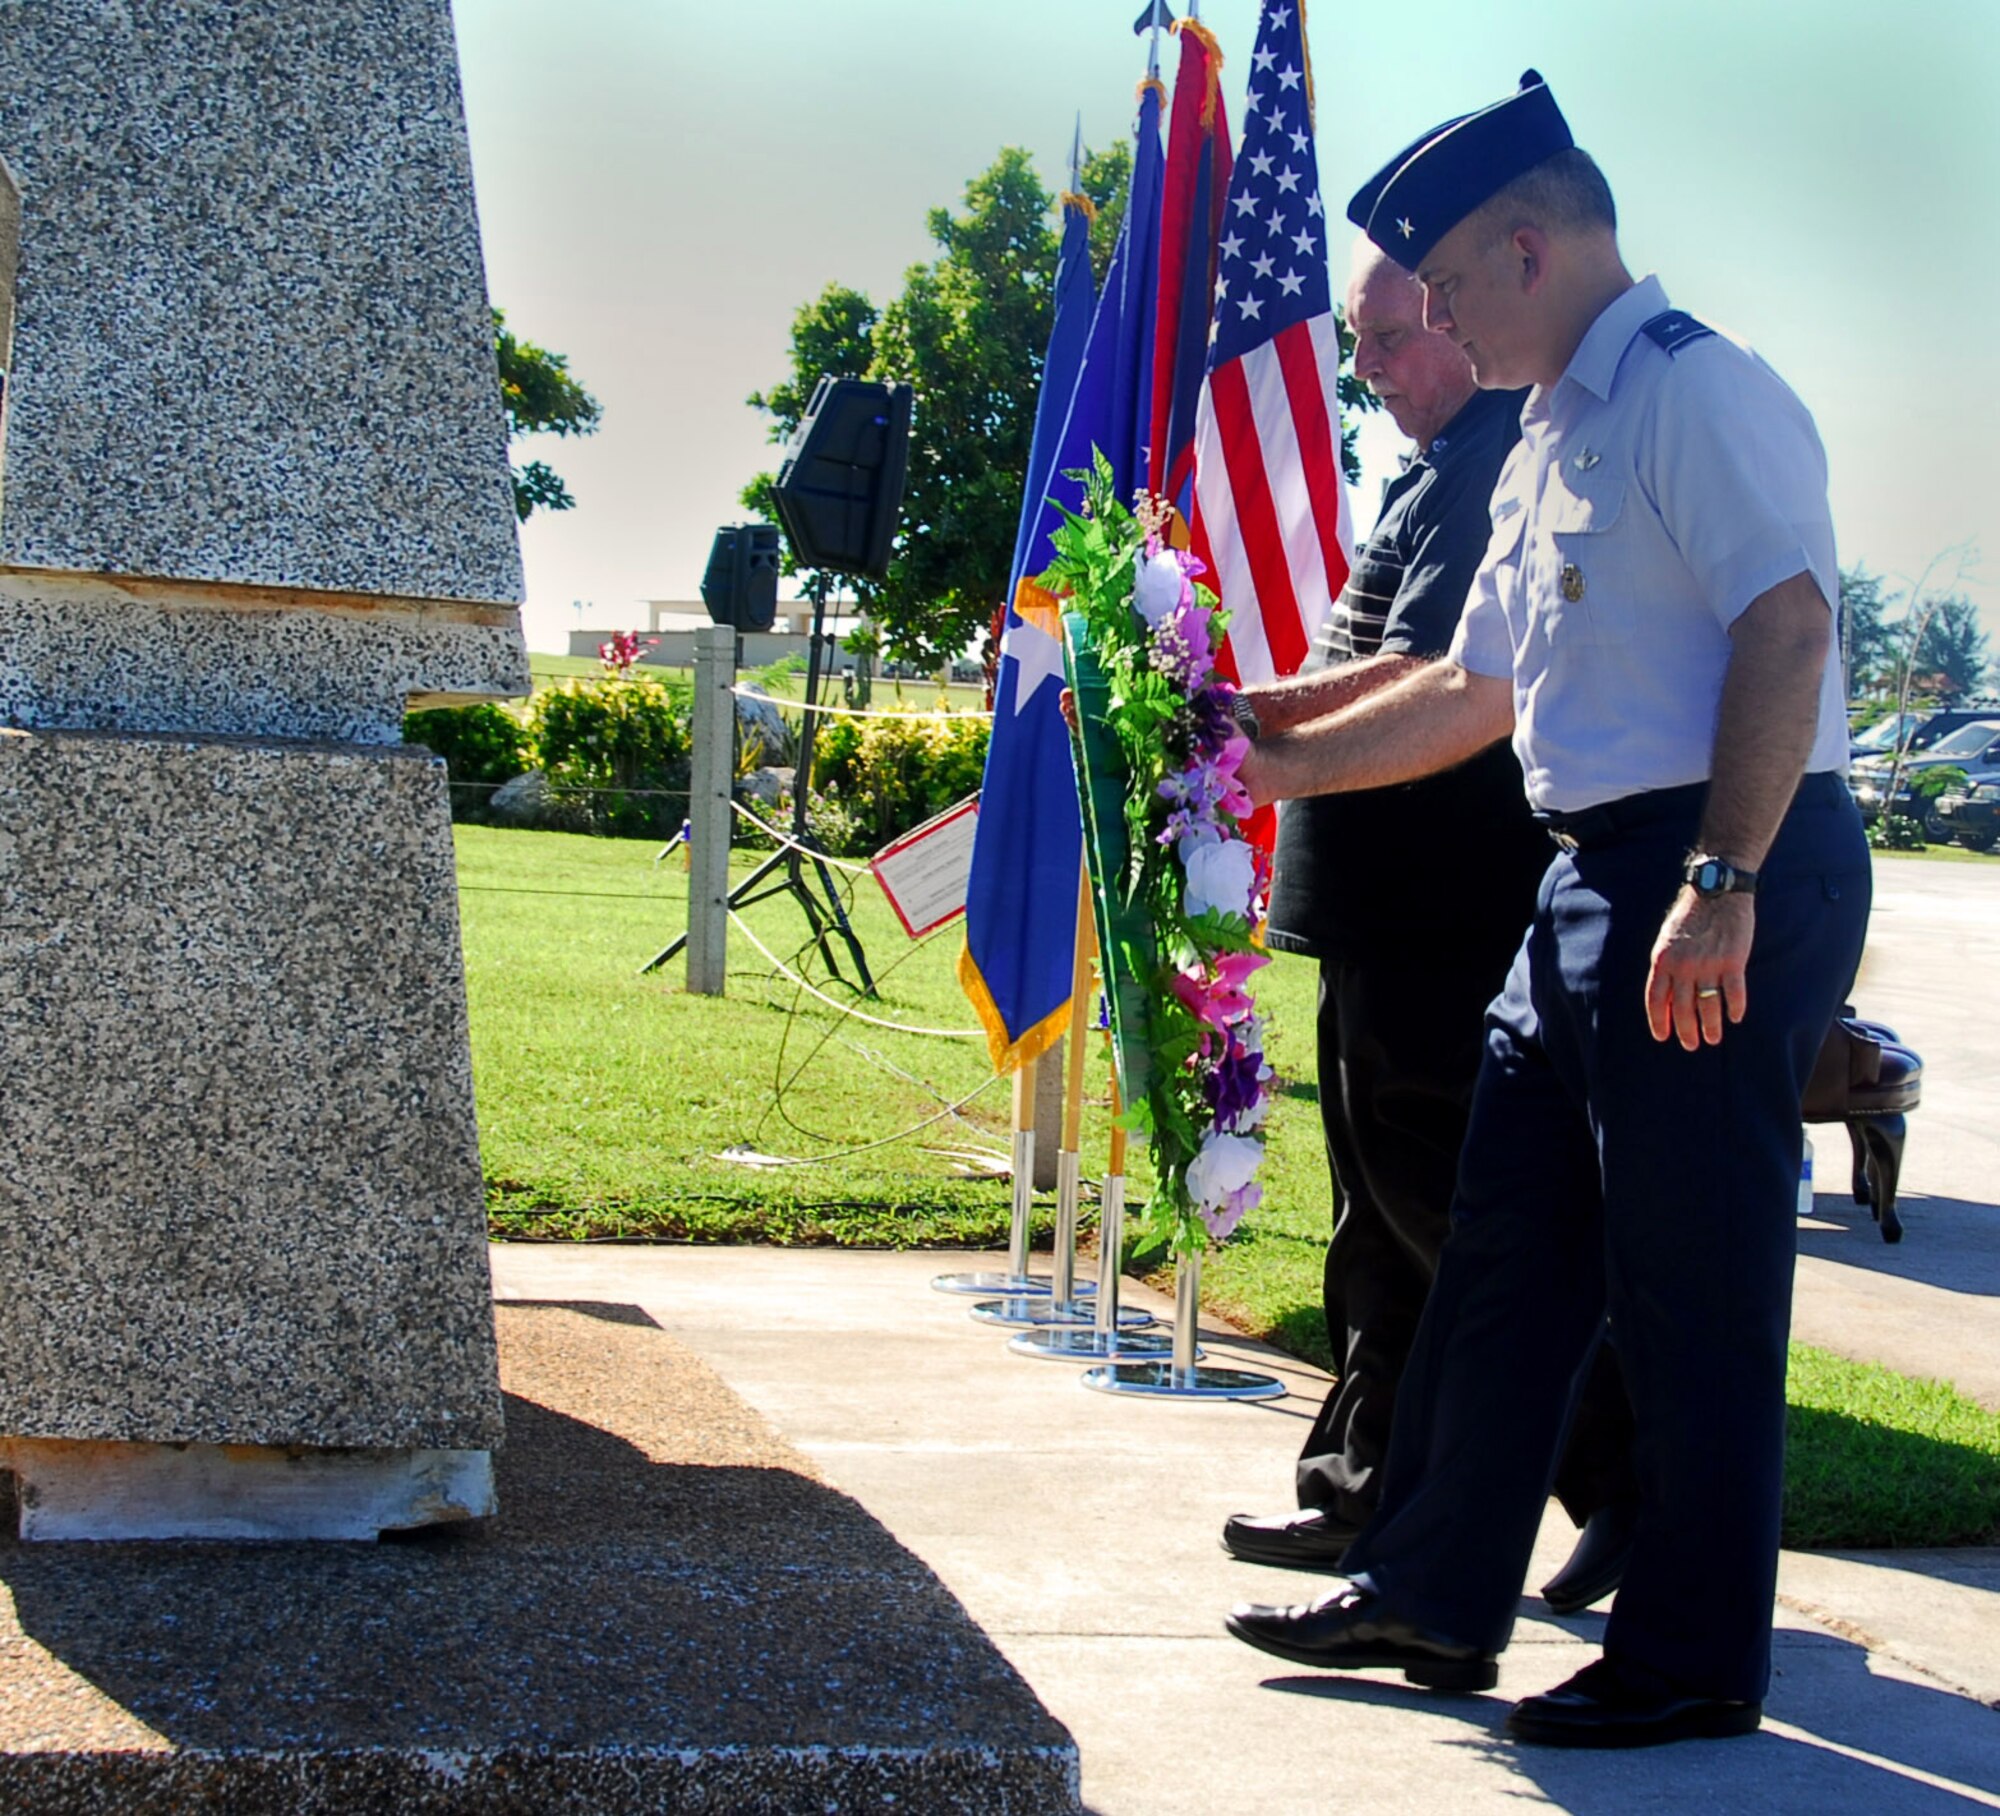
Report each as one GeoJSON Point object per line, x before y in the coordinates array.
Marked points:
{"type": "Point", "coordinates": [1596, 1709]}
{"type": "Point", "coordinates": [1348, 1629]}
{"type": "Point", "coordinates": [1310, 1540]}
{"type": "Point", "coordinates": [1597, 1565]}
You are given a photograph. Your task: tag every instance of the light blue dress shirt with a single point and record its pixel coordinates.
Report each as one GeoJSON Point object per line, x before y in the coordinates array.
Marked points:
{"type": "Point", "coordinates": [1653, 496]}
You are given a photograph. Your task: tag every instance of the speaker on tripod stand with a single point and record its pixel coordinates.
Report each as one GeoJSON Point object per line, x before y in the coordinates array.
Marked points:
{"type": "Point", "coordinates": [839, 493]}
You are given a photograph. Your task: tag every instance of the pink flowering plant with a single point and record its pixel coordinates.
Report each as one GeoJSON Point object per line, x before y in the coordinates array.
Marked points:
{"type": "Point", "coordinates": [1192, 876]}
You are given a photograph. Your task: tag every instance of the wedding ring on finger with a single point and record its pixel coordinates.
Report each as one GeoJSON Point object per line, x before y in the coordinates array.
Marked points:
{"type": "Point", "coordinates": [1704, 995]}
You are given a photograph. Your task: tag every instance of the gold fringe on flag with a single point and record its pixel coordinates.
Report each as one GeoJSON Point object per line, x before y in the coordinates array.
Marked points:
{"type": "Point", "coordinates": [1312, 113]}
{"type": "Point", "coordinates": [1008, 1056]}
{"type": "Point", "coordinates": [1081, 203]}
{"type": "Point", "coordinates": [1212, 84]}
{"type": "Point", "coordinates": [1156, 85]}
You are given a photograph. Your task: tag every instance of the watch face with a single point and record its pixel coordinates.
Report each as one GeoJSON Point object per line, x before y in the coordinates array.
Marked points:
{"type": "Point", "coordinates": [1708, 879]}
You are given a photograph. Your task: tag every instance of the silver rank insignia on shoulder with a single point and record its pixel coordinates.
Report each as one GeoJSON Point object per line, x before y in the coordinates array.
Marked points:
{"type": "Point", "coordinates": [1584, 461]}
{"type": "Point", "coordinates": [1572, 582]}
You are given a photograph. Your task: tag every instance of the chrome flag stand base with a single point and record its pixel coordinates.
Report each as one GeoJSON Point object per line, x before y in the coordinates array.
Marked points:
{"type": "Point", "coordinates": [1182, 1377]}
{"type": "Point", "coordinates": [1110, 1337]}
{"type": "Point", "coordinates": [1016, 1282]}
{"type": "Point", "coordinates": [1020, 1309]}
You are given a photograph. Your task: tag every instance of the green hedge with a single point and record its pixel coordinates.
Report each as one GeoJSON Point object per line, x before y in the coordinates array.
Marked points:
{"type": "Point", "coordinates": [617, 749]}
{"type": "Point", "coordinates": [889, 775]}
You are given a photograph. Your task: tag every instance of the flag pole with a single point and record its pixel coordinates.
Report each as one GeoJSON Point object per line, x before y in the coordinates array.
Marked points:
{"type": "Point", "coordinates": [1108, 1337]}
{"type": "Point", "coordinates": [1016, 1282]}
{"type": "Point", "coordinates": [1024, 1167]}
{"type": "Point", "coordinates": [1064, 1304]}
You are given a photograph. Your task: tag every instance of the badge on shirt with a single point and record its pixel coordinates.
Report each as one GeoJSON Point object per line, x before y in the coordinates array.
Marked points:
{"type": "Point", "coordinates": [1572, 582]}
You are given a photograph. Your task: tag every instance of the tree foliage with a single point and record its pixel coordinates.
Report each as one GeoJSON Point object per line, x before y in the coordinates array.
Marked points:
{"type": "Point", "coordinates": [541, 398]}
{"type": "Point", "coordinates": [1868, 639]}
{"type": "Point", "coordinates": [1927, 644]}
{"type": "Point", "coordinates": [1952, 651]}
{"type": "Point", "coordinates": [967, 333]}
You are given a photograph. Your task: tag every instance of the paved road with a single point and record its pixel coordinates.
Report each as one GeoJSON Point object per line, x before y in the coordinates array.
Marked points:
{"type": "Point", "coordinates": [1929, 1305]}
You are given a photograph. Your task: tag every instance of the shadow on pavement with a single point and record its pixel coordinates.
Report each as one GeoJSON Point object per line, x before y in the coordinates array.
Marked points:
{"type": "Point", "coordinates": [1837, 1736]}
{"type": "Point", "coordinates": [667, 1581]}
{"type": "Point", "coordinates": [1952, 1244]}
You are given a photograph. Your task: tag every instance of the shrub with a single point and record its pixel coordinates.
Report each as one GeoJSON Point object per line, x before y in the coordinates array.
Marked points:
{"type": "Point", "coordinates": [1896, 832]}
{"type": "Point", "coordinates": [837, 754]}
{"type": "Point", "coordinates": [627, 738]}
{"type": "Point", "coordinates": [902, 771]}
{"type": "Point", "coordinates": [482, 745]}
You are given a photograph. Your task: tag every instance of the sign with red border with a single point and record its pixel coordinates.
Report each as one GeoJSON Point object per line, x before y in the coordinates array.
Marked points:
{"type": "Point", "coordinates": [924, 873]}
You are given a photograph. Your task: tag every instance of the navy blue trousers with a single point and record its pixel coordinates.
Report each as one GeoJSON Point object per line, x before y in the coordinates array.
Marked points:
{"type": "Point", "coordinates": [1604, 1171]}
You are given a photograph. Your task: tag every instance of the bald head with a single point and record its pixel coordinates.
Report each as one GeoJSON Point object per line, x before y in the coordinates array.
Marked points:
{"type": "Point", "coordinates": [1422, 379]}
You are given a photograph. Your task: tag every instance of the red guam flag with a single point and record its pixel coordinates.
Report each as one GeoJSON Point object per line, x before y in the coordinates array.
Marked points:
{"type": "Point", "coordinates": [1270, 509]}
{"type": "Point", "coordinates": [1191, 209]}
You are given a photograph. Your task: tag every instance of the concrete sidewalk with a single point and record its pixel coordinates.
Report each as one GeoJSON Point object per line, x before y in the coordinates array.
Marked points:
{"type": "Point", "coordinates": [1079, 1531]}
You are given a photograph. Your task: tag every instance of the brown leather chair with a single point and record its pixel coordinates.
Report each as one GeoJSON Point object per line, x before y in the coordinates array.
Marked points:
{"type": "Point", "coordinates": [1866, 1078]}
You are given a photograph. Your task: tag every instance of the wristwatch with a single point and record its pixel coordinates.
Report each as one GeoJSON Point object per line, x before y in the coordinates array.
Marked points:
{"type": "Point", "coordinates": [1709, 876]}
{"type": "Point", "coordinates": [1245, 715]}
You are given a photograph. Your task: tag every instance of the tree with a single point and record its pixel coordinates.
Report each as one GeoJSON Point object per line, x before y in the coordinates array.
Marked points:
{"type": "Point", "coordinates": [1952, 649]}
{"type": "Point", "coordinates": [1868, 640]}
{"type": "Point", "coordinates": [967, 333]}
{"type": "Point", "coordinates": [541, 399]}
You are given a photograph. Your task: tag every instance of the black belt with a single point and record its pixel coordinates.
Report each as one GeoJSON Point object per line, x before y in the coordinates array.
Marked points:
{"type": "Point", "coordinates": [1594, 825]}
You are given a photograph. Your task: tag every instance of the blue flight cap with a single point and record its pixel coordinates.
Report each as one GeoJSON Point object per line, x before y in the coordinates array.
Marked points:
{"type": "Point", "coordinates": [1428, 187]}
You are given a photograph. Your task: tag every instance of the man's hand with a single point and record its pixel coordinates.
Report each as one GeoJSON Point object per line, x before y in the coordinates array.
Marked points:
{"type": "Point", "coordinates": [1697, 973]}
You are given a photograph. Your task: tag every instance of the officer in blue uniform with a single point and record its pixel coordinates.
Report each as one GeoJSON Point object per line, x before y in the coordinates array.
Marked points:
{"type": "Point", "coordinates": [1652, 624]}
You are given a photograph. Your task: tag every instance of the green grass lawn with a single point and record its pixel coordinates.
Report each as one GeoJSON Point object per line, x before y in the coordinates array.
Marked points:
{"type": "Point", "coordinates": [608, 1101]}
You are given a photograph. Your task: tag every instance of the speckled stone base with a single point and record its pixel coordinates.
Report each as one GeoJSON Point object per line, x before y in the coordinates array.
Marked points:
{"type": "Point", "coordinates": [99, 654]}
{"type": "Point", "coordinates": [242, 1201]}
{"type": "Point", "coordinates": [672, 1612]}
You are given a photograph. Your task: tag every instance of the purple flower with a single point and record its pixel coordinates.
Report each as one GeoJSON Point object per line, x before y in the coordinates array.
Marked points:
{"type": "Point", "coordinates": [1237, 1087]}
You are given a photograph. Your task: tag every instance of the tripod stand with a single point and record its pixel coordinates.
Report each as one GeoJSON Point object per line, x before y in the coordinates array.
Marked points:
{"type": "Point", "coordinates": [821, 905]}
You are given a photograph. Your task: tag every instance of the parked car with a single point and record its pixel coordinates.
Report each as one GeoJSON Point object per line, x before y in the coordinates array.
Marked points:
{"type": "Point", "coordinates": [1925, 726]}
{"type": "Point", "coordinates": [1973, 817]}
{"type": "Point", "coordinates": [1879, 739]}
{"type": "Point", "coordinates": [1974, 748]}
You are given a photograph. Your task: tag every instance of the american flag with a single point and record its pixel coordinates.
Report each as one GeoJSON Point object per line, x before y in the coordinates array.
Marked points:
{"type": "Point", "coordinates": [1270, 513]}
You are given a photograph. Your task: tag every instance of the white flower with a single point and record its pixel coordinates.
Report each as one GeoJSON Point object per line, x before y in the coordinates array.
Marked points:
{"type": "Point", "coordinates": [1220, 876]}
{"type": "Point", "coordinates": [1223, 1167]}
{"type": "Point", "coordinates": [1157, 589]}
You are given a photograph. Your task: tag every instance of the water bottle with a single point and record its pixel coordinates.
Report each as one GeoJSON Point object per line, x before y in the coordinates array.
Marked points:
{"type": "Point", "coordinates": [1806, 1179]}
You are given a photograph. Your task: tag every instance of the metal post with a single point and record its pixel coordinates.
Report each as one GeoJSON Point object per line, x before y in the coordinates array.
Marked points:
{"type": "Point", "coordinates": [710, 783]}
{"type": "Point", "coordinates": [1113, 1334]}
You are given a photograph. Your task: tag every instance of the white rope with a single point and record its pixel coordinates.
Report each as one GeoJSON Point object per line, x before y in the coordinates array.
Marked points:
{"type": "Point", "coordinates": [812, 1160]}
{"type": "Point", "coordinates": [785, 971]}
{"type": "Point", "coordinates": [792, 844]}
{"type": "Point", "coordinates": [855, 712]}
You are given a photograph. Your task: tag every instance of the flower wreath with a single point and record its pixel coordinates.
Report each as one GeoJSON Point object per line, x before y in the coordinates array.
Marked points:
{"type": "Point", "coordinates": [1194, 876]}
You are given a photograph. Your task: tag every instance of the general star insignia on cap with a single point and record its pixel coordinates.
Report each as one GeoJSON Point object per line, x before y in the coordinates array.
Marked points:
{"type": "Point", "coordinates": [1442, 177]}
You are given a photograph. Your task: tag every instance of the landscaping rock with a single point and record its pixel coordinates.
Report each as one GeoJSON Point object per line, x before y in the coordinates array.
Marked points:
{"type": "Point", "coordinates": [758, 719]}
{"type": "Point", "coordinates": [765, 788]}
{"type": "Point", "coordinates": [531, 802]}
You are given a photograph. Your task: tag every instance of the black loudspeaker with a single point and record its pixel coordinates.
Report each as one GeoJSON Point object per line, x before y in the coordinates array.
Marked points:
{"type": "Point", "coordinates": [740, 586]}
{"type": "Point", "coordinates": [840, 489]}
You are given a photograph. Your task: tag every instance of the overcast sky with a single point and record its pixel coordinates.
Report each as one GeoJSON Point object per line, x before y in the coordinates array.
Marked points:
{"type": "Point", "coordinates": [662, 183]}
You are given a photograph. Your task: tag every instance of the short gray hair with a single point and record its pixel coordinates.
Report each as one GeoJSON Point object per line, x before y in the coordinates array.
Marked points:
{"type": "Point", "coordinates": [1564, 194]}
